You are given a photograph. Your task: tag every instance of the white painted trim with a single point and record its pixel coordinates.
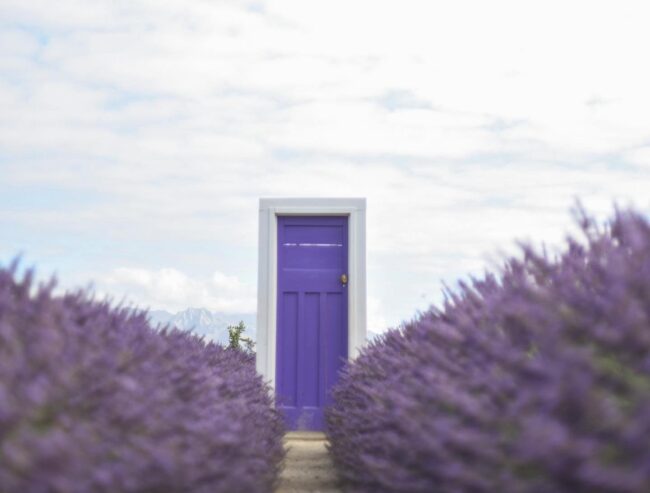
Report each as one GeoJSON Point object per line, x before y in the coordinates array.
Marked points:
{"type": "Point", "coordinates": [267, 277]}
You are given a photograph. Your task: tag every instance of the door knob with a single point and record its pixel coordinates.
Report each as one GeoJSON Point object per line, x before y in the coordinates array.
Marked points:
{"type": "Point", "coordinates": [344, 279]}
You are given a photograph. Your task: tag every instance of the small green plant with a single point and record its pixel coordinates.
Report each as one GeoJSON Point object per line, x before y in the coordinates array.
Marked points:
{"type": "Point", "coordinates": [235, 337]}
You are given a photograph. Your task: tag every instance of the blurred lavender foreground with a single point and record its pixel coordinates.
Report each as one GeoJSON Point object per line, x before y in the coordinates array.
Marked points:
{"type": "Point", "coordinates": [92, 399]}
{"type": "Point", "coordinates": [533, 380]}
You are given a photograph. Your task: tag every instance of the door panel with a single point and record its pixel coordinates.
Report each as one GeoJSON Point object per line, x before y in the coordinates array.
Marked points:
{"type": "Point", "coordinates": [312, 315]}
{"type": "Point", "coordinates": [288, 370]}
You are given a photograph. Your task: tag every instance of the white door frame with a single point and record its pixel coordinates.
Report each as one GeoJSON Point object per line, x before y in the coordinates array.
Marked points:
{"type": "Point", "coordinates": [267, 278]}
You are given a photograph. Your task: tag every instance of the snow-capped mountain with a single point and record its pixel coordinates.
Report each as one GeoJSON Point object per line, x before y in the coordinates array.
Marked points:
{"type": "Point", "coordinates": [212, 325]}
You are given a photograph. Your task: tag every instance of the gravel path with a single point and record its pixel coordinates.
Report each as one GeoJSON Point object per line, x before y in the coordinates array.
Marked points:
{"type": "Point", "coordinates": [308, 467]}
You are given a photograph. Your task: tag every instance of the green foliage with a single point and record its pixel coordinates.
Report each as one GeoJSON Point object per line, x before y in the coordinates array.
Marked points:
{"type": "Point", "coordinates": [235, 338]}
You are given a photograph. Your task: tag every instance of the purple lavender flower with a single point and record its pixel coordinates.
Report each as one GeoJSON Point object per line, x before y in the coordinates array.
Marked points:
{"type": "Point", "coordinates": [533, 380]}
{"type": "Point", "coordinates": [92, 399]}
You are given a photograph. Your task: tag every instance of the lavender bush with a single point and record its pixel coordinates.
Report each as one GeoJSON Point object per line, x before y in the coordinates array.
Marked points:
{"type": "Point", "coordinates": [533, 380]}
{"type": "Point", "coordinates": [92, 399]}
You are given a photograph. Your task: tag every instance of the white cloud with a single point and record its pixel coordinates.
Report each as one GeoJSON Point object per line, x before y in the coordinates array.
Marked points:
{"type": "Point", "coordinates": [640, 156]}
{"type": "Point", "coordinates": [464, 131]}
{"type": "Point", "coordinates": [376, 321]}
{"type": "Point", "coordinates": [173, 290]}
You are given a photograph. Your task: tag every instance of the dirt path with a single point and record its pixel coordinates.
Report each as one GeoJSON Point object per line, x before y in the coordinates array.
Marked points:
{"type": "Point", "coordinates": [308, 467]}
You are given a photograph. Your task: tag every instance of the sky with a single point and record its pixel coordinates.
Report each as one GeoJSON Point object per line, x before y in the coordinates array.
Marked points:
{"type": "Point", "coordinates": [136, 137]}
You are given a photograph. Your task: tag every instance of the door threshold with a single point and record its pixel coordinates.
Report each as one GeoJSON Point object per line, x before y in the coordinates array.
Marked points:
{"type": "Point", "coordinates": [305, 435]}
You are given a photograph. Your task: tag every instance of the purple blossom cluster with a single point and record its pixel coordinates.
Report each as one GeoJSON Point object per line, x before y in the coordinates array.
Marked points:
{"type": "Point", "coordinates": [535, 379]}
{"type": "Point", "coordinates": [92, 399]}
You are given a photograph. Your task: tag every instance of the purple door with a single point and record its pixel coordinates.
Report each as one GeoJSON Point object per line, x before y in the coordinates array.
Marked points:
{"type": "Point", "coordinates": [312, 324]}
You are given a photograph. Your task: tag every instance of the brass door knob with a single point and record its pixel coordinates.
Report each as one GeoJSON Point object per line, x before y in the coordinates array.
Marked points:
{"type": "Point", "coordinates": [344, 279]}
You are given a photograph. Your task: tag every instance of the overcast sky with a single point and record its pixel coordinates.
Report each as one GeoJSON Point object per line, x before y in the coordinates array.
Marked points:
{"type": "Point", "coordinates": [137, 136]}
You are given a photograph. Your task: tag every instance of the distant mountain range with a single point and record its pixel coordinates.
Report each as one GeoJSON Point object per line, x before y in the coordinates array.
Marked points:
{"type": "Point", "coordinates": [212, 325]}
